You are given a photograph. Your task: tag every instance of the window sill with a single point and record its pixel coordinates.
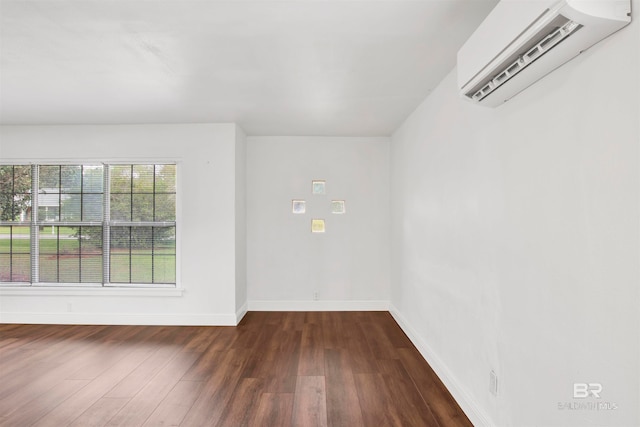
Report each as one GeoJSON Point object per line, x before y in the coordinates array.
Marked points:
{"type": "Point", "coordinates": [89, 291]}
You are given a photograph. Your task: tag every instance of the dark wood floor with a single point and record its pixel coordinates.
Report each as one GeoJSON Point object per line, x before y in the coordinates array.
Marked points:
{"type": "Point", "coordinates": [274, 369]}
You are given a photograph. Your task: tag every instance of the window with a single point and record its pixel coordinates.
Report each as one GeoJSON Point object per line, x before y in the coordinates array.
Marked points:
{"type": "Point", "coordinates": [94, 224]}
{"type": "Point", "coordinates": [69, 223]}
{"type": "Point", "coordinates": [15, 236]}
{"type": "Point", "coordinates": [142, 227]}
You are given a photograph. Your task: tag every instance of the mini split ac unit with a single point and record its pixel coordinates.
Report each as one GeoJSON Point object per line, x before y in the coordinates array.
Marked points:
{"type": "Point", "coordinates": [523, 40]}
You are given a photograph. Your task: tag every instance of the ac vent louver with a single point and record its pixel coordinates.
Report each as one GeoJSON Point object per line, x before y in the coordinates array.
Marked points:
{"type": "Point", "coordinates": [521, 41]}
{"type": "Point", "coordinates": [525, 58]}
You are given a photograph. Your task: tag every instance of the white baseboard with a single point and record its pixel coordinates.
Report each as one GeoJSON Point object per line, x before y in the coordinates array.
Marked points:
{"type": "Point", "coordinates": [470, 407]}
{"type": "Point", "coordinates": [203, 319]}
{"type": "Point", "coordinates": [242, 311]}
{"type": "Point", "coordinates": [318, 305]}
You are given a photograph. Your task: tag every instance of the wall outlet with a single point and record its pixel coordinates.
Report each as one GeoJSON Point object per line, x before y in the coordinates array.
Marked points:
{"type": "Point", "coordinates": [315, 295]}
{"type": "Point", "coordinates": [493, 383]}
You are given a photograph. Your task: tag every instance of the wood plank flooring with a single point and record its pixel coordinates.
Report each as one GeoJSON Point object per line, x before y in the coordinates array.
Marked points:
{"type": "Point", "coordinates": [274, 369]}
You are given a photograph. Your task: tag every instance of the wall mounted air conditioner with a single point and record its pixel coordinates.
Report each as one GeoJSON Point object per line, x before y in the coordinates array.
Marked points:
{"type": "Point", "coordinates": [523, 40]}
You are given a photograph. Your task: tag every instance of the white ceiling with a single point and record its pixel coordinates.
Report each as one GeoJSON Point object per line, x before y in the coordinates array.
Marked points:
{"type": "Point", "coordinates": [300, 67]}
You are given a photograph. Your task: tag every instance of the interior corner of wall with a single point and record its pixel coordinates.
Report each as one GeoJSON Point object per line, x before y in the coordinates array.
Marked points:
{"type": "Point", "coordinates": [241, 312]}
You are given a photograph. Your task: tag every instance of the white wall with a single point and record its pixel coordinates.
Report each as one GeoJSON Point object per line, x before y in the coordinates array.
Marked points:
{"type": "Point", "coordinates": [515, 240]}
{"type": "Point", "coordinates": [348, 266]}
{"type": "Point", "coordinates": [210, 160]}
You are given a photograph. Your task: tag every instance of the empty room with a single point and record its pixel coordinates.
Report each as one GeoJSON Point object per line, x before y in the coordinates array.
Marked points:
{"type": "Point", "coordinates": [320, 213]}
